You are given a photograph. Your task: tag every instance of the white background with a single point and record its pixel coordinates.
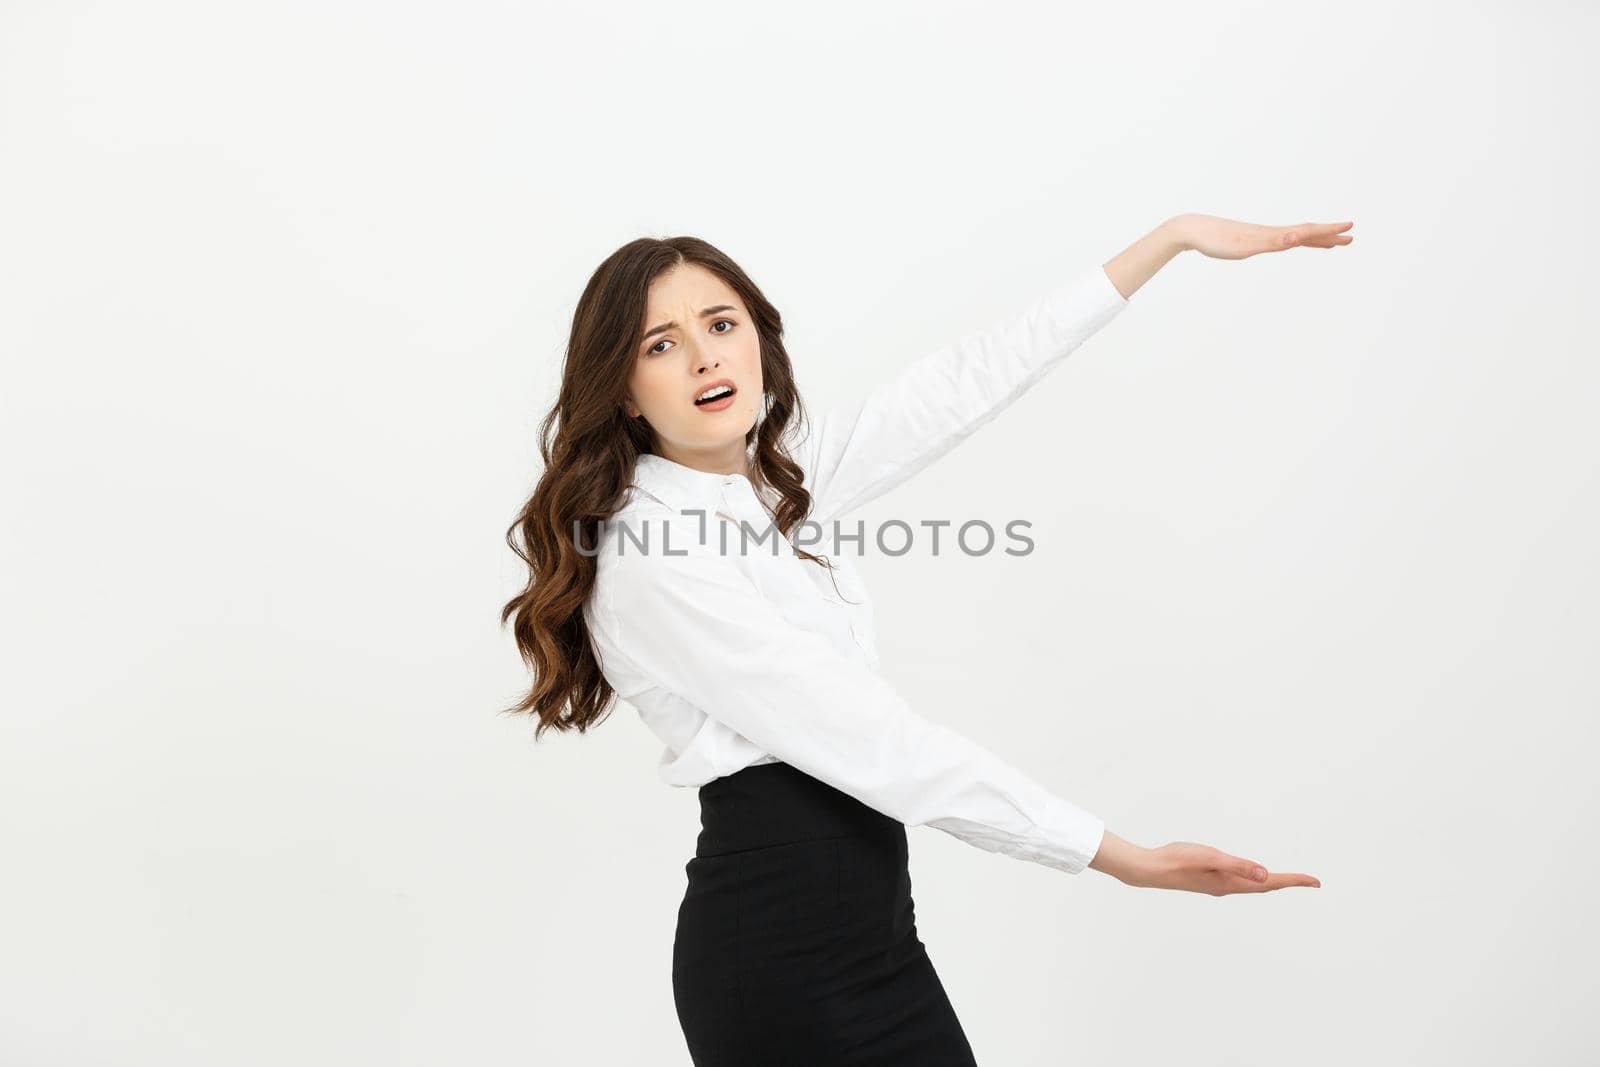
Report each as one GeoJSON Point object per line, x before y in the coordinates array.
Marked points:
{"type": "Point", "coordinates": [285, 292]}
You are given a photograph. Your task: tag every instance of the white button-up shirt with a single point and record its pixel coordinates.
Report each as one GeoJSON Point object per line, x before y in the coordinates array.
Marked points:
{"type": "Point", "coordinates": [736, 652]}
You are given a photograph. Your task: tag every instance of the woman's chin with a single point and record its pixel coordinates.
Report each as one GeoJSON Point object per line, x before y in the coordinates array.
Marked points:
{"type": "Point", "coordinates": [723, 429]}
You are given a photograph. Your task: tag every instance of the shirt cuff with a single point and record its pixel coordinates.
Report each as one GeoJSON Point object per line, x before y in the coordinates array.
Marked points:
{"type": "Point", "coordinates": [1110, 292]}
{"type": "Point", "coordinates": [1074, 835]}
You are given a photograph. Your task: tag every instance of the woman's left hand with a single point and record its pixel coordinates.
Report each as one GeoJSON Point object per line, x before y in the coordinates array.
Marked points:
{"type": "Point", "coordinates": [1218, 238]}
{"type": "Point", "coordinates": [1230, 239]}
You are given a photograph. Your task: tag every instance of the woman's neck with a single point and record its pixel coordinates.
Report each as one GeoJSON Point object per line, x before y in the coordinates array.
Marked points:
{"type": "Point", "coordinates": [731, 459]}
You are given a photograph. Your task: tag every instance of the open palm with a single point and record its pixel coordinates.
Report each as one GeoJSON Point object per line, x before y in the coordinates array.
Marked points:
{"type": "Point", "coordinates": [1222, 238]}
{"type": "Point", "coordinates": [1198, 868]}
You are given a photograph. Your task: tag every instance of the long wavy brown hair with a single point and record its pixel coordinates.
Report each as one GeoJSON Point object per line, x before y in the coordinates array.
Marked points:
{"type": "Point", "coordinates": [589, 445]}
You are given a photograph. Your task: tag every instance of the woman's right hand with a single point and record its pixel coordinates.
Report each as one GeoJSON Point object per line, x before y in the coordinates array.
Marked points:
{"type": "Point", "coordinates": [1189, 866]}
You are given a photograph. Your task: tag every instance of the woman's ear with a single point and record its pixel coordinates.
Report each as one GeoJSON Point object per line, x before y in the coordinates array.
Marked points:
{"type": "Point", "coordinates": [629, 410]}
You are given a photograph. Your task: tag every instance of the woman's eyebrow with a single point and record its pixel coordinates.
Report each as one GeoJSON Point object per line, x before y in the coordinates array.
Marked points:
{"type": "Point", "coordinates": [664, 327]}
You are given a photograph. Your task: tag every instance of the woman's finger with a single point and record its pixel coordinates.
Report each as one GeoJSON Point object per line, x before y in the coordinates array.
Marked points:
{"type": "Point", "coordinates": [1247, 869]}
{"type": "Point", "coordinates": [1238, 884]}
{"type": "Point", "coordinates": [1283, 880]}
{"type": "Point", "coordinates": [1328, 235]}
{"type": "Point", "coordinates": [1313, 236]}
{"type": "Point", "coordinates": [1257, 879]}
{"type": "Point", "coordinates": [1310, 881]}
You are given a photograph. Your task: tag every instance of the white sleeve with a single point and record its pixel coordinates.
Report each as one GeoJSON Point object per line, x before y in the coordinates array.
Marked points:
{"type": "Point", "coordinates": [863, 449]}
{"type": "Point", "coordinates": [698, 626]}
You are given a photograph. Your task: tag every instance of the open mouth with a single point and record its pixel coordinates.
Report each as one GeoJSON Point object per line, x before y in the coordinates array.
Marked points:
{"type": "Point", "coordinates": [715, 394]}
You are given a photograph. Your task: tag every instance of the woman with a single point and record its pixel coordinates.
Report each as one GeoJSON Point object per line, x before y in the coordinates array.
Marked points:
{"type": "Point", "coordinates": [666, 543]}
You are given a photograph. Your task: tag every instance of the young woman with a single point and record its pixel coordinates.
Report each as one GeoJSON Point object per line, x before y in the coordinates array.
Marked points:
{"type": "Point", "coordinates": [667, 548]}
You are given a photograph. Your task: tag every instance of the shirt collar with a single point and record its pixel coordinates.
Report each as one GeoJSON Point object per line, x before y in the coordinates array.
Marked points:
{"type": "Point", "coordinates": [682, 488]}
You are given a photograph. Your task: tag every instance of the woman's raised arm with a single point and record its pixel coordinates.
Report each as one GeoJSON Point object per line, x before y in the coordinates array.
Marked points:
{"type": "Point", "coordinates": [859, 451]}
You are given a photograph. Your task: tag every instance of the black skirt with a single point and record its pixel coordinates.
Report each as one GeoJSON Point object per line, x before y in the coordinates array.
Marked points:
{"type": "Point", "coordinates": [797, 940]}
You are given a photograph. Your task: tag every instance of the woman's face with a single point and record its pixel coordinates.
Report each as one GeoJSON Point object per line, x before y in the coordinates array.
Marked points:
{"type": "Point", "coordinates": [697, 333]}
